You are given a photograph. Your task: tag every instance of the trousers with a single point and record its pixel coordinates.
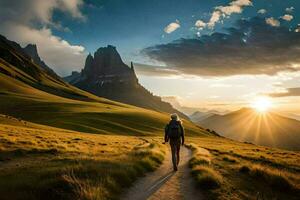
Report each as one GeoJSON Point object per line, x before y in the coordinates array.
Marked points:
{"type": "Point", "coordinates": [175, 149]}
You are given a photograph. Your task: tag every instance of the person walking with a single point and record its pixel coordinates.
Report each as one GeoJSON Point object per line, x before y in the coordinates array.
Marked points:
{"type": "Point", "coordinates": [174, 134]}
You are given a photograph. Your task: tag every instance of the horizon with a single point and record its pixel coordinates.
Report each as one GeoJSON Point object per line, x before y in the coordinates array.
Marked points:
{"type": "Point", "coordinates": [154, 37]}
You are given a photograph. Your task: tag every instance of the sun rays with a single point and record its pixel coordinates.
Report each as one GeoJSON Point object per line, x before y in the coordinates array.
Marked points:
{"type": "Point", "coordinates": [262, 104]}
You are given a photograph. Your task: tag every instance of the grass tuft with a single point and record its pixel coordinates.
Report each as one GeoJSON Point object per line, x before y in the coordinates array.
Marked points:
{"type": "Point", "coordinates": [273, 177]}
{"type": "Point", "coordinates": [200, 163]}
{"type": "Point", "coordinates": [206, 177]}
{"type": "Point", "coordinates": [230, 159]}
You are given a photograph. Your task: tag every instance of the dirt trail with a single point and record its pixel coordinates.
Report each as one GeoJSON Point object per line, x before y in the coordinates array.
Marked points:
{"type": "Point", "coordinates": [166, 184]}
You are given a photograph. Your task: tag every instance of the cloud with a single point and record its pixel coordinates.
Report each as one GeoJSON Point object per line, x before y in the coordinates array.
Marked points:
{"type": "Point", "coordinates": [290, 9]}
{"type": "Point", "coordinates": [262, 11]}
{"type": "Point", "coordinates": [151, 70]}
{"type": "Point", "coordinates": [288, 93]}
{"type": "Point", "coordinates": [215, 17]}
{"type": "Point", "coordinates": [273, 22]}
{"type": "Point", "coordinates": [220, 85]}
{"type": "Point", "coordinates": [172, 27]}
{"type": "Point", "coordinates": [31, 21]}
{"type": "Point", "coordinates": [200, 24]}
{"type": "Point", "coordinates": [287, 17]}
{"type": "Point", "coordinates": [251, 47]}
{"type": "Point", "coordinates": [221, 12]}
{"type": "Point", "coordinates": [297, 30]}
{"type": "Point", "coordinates": [27, 11]}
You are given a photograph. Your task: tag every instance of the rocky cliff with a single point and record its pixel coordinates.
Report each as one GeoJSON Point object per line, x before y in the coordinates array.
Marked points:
{"type": "Point", "coordinates": [106, 75]}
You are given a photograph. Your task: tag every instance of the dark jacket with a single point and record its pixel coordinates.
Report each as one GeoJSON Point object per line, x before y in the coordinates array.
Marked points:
{"type": "Point", "coordinates": [181, 130]}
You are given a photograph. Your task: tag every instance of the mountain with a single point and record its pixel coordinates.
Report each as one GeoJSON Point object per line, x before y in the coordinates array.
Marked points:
{"type": "Point", "coordinates": [200, 116]}
{"type": "Point", "coordinates": [73, 77]}
{"type": "Point", "coordinates": [106, 75]}
{"type": "Point", "coordinates": [31, 50]}
{"type": "Point", "coordinates": [192, 112]}
{"type": "Point", "coordinates": [16, 63]}
{"type": "Point", "coordinates": [268, 129]}
{"type": "Point", "coordinates": [291, 115]}
{"type": "Point", "coordinates": [29, 93]}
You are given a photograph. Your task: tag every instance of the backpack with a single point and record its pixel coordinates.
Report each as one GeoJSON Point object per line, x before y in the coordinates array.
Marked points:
{"type": "Point", "coordinates": [174, 130]}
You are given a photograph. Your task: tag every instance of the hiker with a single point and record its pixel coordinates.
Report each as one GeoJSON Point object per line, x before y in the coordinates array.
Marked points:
{"type": "Point", "coordinates": [174, 133]}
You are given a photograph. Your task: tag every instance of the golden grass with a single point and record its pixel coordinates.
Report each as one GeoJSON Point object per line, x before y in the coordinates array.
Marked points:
{"type": "Point", "coordinates": [279, 180]}
{"type": "Point", "coordinates": [206, 177]}
{"type": "Point", "coordinates": [230, 159]}
{"type": "Point", "coordinates": [199, 157]}
{"type": "Point", "coordinates": [247, 171]}
{"type": "Point", "coordinates": [59, 164]}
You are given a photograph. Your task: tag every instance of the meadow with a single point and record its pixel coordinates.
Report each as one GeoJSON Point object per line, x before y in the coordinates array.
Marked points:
{"type": "Point", "coordinates": [40, 162]}
{"type": "Point", "coordinates": [226, 169]}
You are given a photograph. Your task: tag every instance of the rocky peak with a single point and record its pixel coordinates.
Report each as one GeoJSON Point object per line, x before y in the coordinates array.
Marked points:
{"type": "Point", "coordinates": [107, 64]}
{"type": "Point", "coordinates": [31, 50]}
{"type": "Point", "coordinates": [74, 73]}
{"type": "Point", "coordinates": [109, 59]}
{"type": "Point", "coordinates": [131, 66]}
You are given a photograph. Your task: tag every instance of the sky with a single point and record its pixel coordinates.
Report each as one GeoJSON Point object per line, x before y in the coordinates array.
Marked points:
{"type": "Point", "coordinates": [216, 54]}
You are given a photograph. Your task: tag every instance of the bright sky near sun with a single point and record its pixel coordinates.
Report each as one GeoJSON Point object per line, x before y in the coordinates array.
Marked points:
{"type": "Point", "coordinates": [262, 104]}
{"type": "Point", "coordinates": [216, 54]}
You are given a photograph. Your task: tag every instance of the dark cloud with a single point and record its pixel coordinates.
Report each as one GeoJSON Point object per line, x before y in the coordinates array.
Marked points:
{"type": "Point", "coordinates": [251, 47]}
{"type": "Point", "coordinates": [289, 93]}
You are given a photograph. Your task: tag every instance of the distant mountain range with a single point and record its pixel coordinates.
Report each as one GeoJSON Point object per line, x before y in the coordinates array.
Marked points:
{"type": "Point", "coordinates": [106, 75]}
{"type": "Point", "coordinates": [191, 111]}
{"type": "Point", "coordinates": [200, 116]}
{"type": "Point", "coordinates": [269, 129]}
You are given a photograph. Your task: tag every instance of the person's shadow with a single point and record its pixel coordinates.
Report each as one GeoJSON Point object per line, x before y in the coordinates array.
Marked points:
{"type": "Point", "coordinates": [158, 183]}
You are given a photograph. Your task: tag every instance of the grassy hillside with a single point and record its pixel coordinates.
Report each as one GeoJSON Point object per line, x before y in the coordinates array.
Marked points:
{"type": "Point", "coordinates": [98, 116]}
{"type": "Point", "coordinates": [30, 93]}
{"type": "Point", "coordinates": [225, 169]}
{"type": "Point", "coordinates": [269, 129]}
{"type": "Point", "coordinates": [40, 162]}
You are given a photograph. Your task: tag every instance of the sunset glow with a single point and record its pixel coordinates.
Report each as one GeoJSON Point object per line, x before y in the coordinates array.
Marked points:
{"type": "Point", "coordinates": [262, 104]}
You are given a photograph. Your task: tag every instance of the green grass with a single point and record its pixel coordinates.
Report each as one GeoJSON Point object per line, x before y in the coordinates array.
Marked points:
{"type": "Point", "coordinates": [93, 115]}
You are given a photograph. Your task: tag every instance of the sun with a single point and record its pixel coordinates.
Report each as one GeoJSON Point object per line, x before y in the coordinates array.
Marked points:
{"type": "Point", "coordinates": [262, 104]}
